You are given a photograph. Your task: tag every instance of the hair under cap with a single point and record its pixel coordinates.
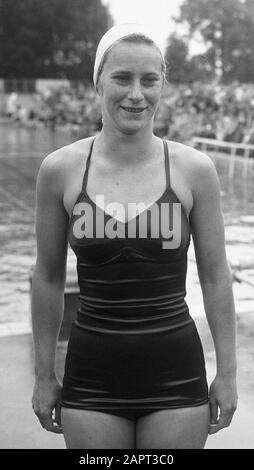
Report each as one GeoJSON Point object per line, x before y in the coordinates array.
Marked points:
{"type": "Point", "coordinates": [113, 35]}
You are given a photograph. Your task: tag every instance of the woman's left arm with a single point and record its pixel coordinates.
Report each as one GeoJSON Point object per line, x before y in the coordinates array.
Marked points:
{"type": "Point", "coordinates": [207, 227]}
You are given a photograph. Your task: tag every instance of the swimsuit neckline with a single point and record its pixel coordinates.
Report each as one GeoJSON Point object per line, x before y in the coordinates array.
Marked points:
{"type": "Point", "coordinates": [137, 216]}
{"type": "Point", "coordinates": [167, 190]}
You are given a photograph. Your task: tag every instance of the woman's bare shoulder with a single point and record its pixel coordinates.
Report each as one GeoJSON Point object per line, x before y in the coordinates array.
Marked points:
{"type": "Point", "coordinates": [190, 155]}
{"type": "Point", "coordinates": [197, 167]}
{"type": "Point", "coordinates": [67, 156]}
{"type": "Point", "coordinates": [59, 164]}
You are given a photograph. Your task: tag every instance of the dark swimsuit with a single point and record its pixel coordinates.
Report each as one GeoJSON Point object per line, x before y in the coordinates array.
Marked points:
{"type": "Point", "coordinates": [133, 348]}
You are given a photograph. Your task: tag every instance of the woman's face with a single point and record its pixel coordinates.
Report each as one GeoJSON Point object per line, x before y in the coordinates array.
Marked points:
{"type": "Point", "coordinates": [130, 86]}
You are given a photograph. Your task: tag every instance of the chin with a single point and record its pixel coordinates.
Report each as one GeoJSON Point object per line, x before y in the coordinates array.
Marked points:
{"type": "Point", "coordinates": [131, 129]}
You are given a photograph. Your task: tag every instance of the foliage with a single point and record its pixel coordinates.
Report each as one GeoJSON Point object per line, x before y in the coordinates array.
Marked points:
{"type": "Point", "coordinates": [227, 29]}
{"type": "Point", "coordinates": [181, 67]}
{"type": "Point", "coordinates": [50, 38]}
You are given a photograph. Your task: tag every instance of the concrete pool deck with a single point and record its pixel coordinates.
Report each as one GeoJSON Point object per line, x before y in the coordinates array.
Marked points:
{"type": "Point", "coordinates": [20, 428]}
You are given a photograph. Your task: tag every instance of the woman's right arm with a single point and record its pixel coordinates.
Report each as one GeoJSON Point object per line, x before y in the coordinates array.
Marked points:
{"type": "Point", "coordinates": [48, 288]}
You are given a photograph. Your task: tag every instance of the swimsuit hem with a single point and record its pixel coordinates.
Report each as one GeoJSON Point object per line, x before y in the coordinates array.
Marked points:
{"type": "Point", "coordinates": [131, 408]}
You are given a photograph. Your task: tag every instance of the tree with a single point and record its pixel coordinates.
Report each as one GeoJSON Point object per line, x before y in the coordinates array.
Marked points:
{"type": "Point", "coordinates": [50, 38]}
{"type": "Point", "coordinates": [176, 57]}
{"type": "Point", "coordinates": [227, 28]}
{"type": "Point", "coordinates": [181, 67]}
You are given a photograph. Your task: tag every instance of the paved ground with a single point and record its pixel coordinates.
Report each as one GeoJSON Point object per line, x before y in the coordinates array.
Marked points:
{"type": "Point", "coordinates": [21, 154]}
{"type": "Point", "coordinates": [20, 429]}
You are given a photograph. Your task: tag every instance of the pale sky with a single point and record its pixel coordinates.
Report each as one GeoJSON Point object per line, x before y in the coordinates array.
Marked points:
{"type": "Point", "coordinates": [156, 14]}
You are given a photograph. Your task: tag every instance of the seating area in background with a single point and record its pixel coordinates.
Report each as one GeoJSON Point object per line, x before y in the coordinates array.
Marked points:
{"type": "Point", "coordinates": [210, 110]}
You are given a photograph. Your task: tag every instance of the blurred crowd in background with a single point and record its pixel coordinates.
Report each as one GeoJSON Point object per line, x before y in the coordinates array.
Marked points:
{"type": "Point", "coordinates": [72, 108]}
{"type": "Point", "coordinates": [216, 111]}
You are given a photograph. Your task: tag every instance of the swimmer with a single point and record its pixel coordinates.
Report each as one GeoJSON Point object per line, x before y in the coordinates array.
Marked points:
{"type": "Point", "coordinates": [135, 375]}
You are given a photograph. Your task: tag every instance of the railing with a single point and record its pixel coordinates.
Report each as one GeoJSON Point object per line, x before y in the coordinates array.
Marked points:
{"type": "Point", "coordinates": [233, 147]}
{"type": "Point", "coordinates": [238, 275]}
{"type": "Point", "coordinates": [19, 85]}
{"type": "Point", "coordinates": [236, 270]}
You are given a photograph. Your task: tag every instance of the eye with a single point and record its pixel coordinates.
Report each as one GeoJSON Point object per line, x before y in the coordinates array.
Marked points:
{"type": "Point", "coordinates": [149, 81]}
{"type": "Point", "coordinates": [122, 78]}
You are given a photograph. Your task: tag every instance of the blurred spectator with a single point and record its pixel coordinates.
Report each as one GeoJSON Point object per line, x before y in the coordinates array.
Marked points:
{"type": "Point", "coordinates": [223, 112]}
{"type": "Point", "coordinates": [217, 111]}
{"type": "Point", "coordinates": [12, 105]}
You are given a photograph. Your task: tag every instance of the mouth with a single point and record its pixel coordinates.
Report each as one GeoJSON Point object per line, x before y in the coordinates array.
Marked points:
{"type": "Point", "coordinates": [133, 110]}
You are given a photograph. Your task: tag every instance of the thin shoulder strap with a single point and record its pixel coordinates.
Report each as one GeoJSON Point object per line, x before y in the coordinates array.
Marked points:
{"type": "Point", "coordinates": [84, 183]}
{"type": "Point", "coordinates": [167, 162]}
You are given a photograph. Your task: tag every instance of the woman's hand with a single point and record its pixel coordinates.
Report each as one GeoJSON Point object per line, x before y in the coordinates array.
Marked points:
{"type": "Point", "coordinates": [45, 403]}
{"type": "Point", "coordinates": [223, 402]}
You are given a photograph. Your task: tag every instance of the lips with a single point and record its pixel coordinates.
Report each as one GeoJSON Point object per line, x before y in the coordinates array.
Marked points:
{"type": "Point", "coordinates": [133, 110]}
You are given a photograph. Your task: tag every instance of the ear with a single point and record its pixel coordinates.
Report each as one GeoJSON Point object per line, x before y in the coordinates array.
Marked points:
{"type": "Point", "coordinates": [99, 87]}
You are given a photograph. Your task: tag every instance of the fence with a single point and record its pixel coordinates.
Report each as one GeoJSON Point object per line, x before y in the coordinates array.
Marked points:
{"type": "Point", "coordinates": [232, 147]}
{"type": "Point", "coordinates": [23, 86]}
{"type": "Point", "coordinates": [238, 275]}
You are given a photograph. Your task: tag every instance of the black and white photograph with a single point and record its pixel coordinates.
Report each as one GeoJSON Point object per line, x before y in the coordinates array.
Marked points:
{"type": "Point", "coordinates": [127, 227]}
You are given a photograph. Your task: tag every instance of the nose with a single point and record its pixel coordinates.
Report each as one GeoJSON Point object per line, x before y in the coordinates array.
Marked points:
{"type": "Point", "coordinates": [135, 92]}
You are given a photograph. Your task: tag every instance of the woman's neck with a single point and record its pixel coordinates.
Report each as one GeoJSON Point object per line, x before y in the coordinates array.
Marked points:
{"type": "Point", "coordinates": [127, 149]}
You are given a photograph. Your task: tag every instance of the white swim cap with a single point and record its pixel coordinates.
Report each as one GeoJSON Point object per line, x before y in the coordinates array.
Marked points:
{"type": "Point", "coordinates": [115, 34]}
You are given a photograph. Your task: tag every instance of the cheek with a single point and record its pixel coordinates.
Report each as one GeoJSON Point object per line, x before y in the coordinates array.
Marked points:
{"type": "Point", "coordinates": [154, 96]}
{"type": "Point", "coordinates": [113, 96]}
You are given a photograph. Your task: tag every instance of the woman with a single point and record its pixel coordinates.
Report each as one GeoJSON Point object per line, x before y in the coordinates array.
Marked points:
{"type": "Point", "coordinates": [134, 374]}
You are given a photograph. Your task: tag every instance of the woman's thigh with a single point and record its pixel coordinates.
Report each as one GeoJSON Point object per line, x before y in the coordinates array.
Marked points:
{"type": "Point", "coordinates": [95, 430]}
{"type": "Point", "coordinates": [181, 428]}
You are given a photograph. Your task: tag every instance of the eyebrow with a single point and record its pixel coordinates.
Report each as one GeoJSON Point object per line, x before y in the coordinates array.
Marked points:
{"type": "Point", "coordinates": [127, 72]}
